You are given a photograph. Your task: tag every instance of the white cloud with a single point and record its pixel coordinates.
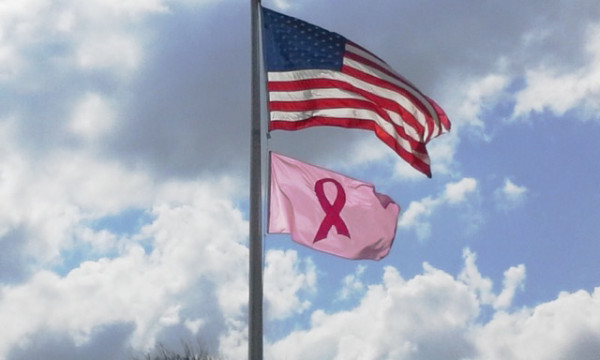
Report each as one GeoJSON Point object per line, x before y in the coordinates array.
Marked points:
{"type": "Point", "coordinates": [198, 254]}
{"type": "Point", "coordinates": [194, 325]}
{"type": "Point", "coordinates": [94, 35]}
{"type": "Point", "coordinates": [510, 195]}
{"type": "Point", "coordinates": [513, 191]}
{"type": "Point", "coordinates": [442, 151]}
{"type": "Point", "coordinates": [282, 4]}
{"type": "Point", "coordinates": [482, 287]}
{"type": "Point", "coordinates": [435, 315]}
{"type": "Point", "coordinates": [18, 27]}
{"type": "Point", "coordinates": [559, 92]}
{"type": "Point", "coordinates": [193, 250]}
{"type": "Point", "coordinates": [134, 7]}
{"type": "Point", "coordinates": [424, 317]}
{"type": "Point", "coordinates": [470, 275]}
{"type": "Point", "coordinates": [367, 150]}
{"type": "Point", "coordinates": [92, 117]}
{"type": "Point", "coordinates": [417, 214]}
{"type": "Point", "coordinates": [479, 94]}
{"type": "Point", "coordinates": [457, 192]}
{"type": "Point", "coordinates": [565, 328]}
{"type": "Point", "coordinates": [412, 217]}
{"type": "Point", "coordinates": [352, 284]}
{"type": "Point", "coordinates": [514, 279]}
{"type": "Point", "coordinates": [285, 278]}
{"type": "Point", "coordinates": [52, 196]}
{"type": "Point", "coordinates": [113, 51]}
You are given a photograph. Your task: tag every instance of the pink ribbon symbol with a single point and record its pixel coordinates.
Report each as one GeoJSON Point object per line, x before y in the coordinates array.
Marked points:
{"type": "Point", "coordinates": [332, 211]}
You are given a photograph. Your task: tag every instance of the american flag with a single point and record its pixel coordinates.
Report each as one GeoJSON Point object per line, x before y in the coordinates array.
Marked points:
{"type": "Point", "coordinates": [317, 77]}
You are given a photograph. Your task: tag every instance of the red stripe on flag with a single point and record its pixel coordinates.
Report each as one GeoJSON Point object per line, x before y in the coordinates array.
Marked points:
{"type": "Point", "coordinates": [317, 104]}
{"type": "Point", "coordinates": [430, 124]}
{"type": "Point", "coordinates": [381, 102]}
{"type": "Point", "coordinates": [408, 156]}
{"type": "Point", "coordinates": [434, 128]}
{"type": "Point", "coordinates": [385, 70]}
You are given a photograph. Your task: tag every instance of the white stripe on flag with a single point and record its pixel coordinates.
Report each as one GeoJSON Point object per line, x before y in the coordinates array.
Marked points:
{"type": "Point", "coordinates": [391, 95]}
{"type": "Point", "coordinates": [302, 95]}
{"type": "Point", "coordinates": [397, 80]}
{"type": "Point", "coordinates": [345, 113]}
{"type": "Point", "coordinates": [336, 93]}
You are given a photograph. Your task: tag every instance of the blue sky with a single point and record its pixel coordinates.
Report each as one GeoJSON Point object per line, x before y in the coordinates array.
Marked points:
{"type": "Point", "coordinates": [124, 139]}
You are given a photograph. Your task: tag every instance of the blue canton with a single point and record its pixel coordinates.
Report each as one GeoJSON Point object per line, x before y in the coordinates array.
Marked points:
{"type": "Point", "coordinates": [292, 44]}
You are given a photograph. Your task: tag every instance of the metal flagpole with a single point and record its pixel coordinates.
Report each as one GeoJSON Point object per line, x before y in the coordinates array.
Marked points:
{"type": "Point", "coordinates": [255, 306]}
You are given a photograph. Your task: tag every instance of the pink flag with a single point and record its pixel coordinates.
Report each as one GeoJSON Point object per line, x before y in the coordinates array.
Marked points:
{"type": "Point", "coordinates": [330, 212]}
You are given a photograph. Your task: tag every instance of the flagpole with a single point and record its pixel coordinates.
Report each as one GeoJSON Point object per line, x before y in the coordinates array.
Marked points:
{"type": "Point", "coordinates": [255, 306]}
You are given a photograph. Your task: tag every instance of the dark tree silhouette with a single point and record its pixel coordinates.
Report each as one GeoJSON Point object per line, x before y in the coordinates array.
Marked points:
{"type": "Point", "coordinates": [189, 352]}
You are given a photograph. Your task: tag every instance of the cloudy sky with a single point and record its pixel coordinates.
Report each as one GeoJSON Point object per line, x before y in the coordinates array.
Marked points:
{"type": "Point", "coordinates": [124, 140]}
